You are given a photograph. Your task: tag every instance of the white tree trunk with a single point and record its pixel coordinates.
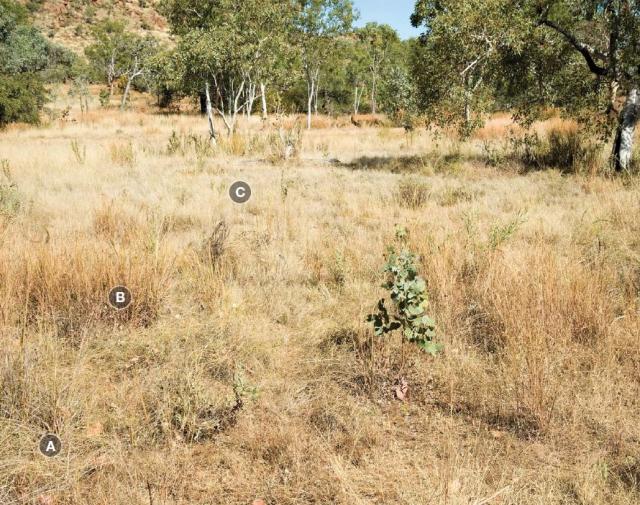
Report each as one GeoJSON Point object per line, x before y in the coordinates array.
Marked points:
{"type": "Point", "coordinates": [125, 95]}
{"type": "Point", "coordinates": [357, 99]}
{"type": "Point", "coordinates": [467, 109]}
{"type": "Point", "coordinates": [111, 75]}
{"type": "Point", "coordinates": [251, 98]}
{"type": "Point", "coordinates": [623, 145]}
{"type": "Point", "coordinates": [212, 129]}
{"type": "Point", "coordinates": [135, 72]}
{"type": "Point", "coordinates": [263, 92]}
{"type": "Point", "coordinates": [374, 91]}
{"type": "Point", "coordinates": [310, 95]}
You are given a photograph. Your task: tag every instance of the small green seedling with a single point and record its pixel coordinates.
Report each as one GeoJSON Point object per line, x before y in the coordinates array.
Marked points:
{"type": "Point", "coordinates": [410, 300]}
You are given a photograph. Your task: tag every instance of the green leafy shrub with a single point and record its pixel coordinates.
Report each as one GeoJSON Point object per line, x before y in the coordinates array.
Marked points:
{"type": "Point", "coordinates": [104, 97]}
{"type": "Point", "coordinates": [21, 98]}
{"type": "Point", "coordinates": [408, 293]}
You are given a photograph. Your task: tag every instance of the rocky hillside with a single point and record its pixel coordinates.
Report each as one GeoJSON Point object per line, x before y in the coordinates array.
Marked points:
{"type": "Point", "coordinates": [69, 22]}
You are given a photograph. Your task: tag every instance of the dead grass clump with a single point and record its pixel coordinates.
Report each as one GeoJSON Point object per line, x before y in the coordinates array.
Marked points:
{"type": "Point", "coordinates": [322, 122]}
{"type": "Point", "coordinates": [560, 146]}
{"type": "Point", "coordinates": [122, 153]}
{"type": "Point", "coordinates": [412, 193]}
{"type": "Point", "coordinates": [114, 224]}
{"type": "Point", "coordinates": [66, 287]}
{"type": "Point", "coordinates": [451, 196]}
{"type": "Point", "coordinates": [285, 144]}
{"type": "Point", "coordinates": [28, 394]}
{"type": "Point", "coordinates": [182, 144]}
{"type": "Point", "coordinates": [10, 197]}
{"type": "Point", "coordinates": [498, 127]}
{"type": "Point", "coordinates": [234, 145]}
{"type": "Point", "coordinates": [192, 405]}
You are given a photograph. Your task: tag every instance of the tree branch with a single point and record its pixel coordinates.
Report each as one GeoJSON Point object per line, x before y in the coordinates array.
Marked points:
{"type": "Point", "coordinates": [584, 49]}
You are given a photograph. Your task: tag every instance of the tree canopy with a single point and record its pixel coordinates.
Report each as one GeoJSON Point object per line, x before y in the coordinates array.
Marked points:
{"type": "Point", "coordinates": [27, 61]}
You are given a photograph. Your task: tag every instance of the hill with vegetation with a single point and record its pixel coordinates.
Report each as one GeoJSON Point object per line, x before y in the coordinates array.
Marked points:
{"type": "Point", "coordinates": [69, 22]}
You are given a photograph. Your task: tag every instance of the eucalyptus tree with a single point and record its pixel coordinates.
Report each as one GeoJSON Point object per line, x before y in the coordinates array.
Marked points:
{"type": "Point", "coordinates": [106, 52]}
{"type": "Point", "coordinates": [318, 25]}
{"type": "Point", "coordinates": [378, 42]}
{"type": "Point", "coordinates": [606, 35]}
{"type": "Point", "coordinates": [458, 53]}
{"type": "Point", "coordinates": [137, 59]}
{"type": "Point", "coordinates": [582, 56]}
{"type": "Point", "coordinates": [356, 70]}
{"type": "Point", "coordinates": [226, 48]}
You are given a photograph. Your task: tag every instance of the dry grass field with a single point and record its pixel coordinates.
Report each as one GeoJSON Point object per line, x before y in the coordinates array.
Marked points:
{"type": "Point", "coordinates": [245, 368]}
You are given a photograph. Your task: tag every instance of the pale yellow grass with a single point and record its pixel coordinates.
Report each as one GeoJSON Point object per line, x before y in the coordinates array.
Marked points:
{"type": "Point", "coordinates": [248, 372]}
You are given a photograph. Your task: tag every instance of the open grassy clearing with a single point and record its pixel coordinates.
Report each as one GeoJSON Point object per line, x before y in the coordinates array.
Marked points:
{"type": "Point", "coordinates": [245, 368]}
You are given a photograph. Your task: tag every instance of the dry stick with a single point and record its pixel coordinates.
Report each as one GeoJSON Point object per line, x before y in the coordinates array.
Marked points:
{"type": "Point", "coordinates": [150, 493]}
{"type": "Point", "coordinates": [484, 501]}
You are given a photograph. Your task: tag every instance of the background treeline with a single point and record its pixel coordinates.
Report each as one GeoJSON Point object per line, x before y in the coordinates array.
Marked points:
{"type": "Point", "coordinates": [264, 56]}
{"type": "Point", "coordinates": [234, 57]}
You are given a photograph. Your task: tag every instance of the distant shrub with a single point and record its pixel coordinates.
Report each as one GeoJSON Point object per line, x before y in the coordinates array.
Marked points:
{"type": "Point", "coordinates": [182, 145]}
{"type": "Point", "coordinates": [22, 96]}
{"type": "Point", "coordinates": [412, 193]}
{"type": "Point", "coordinates": [285, 144]}
{"type": "Point", "coordinates": [451, 196]}
{"type": "Point", "coordinates": [104, 97]}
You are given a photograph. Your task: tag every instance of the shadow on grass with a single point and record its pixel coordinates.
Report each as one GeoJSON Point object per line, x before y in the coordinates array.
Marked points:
{"type": "Point", "coordinates": [431, 163]}
{"type": "Point", "coordinates": [521, 423]}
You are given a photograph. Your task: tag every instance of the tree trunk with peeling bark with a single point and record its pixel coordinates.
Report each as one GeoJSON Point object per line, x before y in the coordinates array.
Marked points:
{"type": "Point", "coordinates": [311, 88]}
{"type": "Point", "coordinates": [627, 122]}
{"type": "Point", "coordinates": [263, 92]}
{"type": "Point", "coordinates": [212, 130]}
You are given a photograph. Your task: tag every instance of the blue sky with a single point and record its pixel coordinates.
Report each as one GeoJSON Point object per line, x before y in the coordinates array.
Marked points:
{"type": "Point", "coordinates": [392, 12]}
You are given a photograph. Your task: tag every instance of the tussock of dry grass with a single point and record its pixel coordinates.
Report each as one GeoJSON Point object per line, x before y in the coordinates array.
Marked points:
{"type": "Point", "coordinates": [245, 369]}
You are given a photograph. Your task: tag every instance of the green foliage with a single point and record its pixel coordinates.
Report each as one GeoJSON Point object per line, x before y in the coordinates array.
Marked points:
{"type": "Point", "coordinates": [378, 42]}
{"type": "Point", "coordinates": [501, 233]}
{"type": "Point", "coordinates": [408, 292]}
{"type": "Point", "coordinates": [580, 56]}
{"type": "Point", "coordinates": [398, 93]}
{"type": "Point", "coordinates": [163, 76]}
{"type": "Point", "coordinates": [117, 53]}
{"type": "Point", "coordinates": [22, 96]}
{"type": "Point", "coordinates": [104, 97]}
{"type": "Point", "coordinates": [27, 61]}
